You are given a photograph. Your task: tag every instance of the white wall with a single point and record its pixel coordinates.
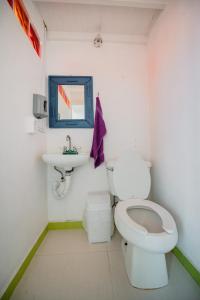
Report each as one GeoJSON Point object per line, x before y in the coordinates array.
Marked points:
{"type": "Point", "coordinates": [120, 76]}
{"type": "Point", "coordinates": [174, 65]}
{"type": "Point", "coordinates": [23, 207]}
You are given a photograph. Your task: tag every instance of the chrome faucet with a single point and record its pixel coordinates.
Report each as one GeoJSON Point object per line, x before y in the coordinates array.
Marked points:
{"type": "Point", "coordinates": [68, 139]}
{"type": "Point", "coordinates": [69, 149]}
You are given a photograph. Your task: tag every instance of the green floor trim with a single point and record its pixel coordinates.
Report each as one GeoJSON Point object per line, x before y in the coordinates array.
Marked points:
{"type": "Point", "coordinates": [65, 225]}
{"type": "Point", "coordinates": [23, 267]}
{"type": "Point", "coordinates": [187, 265]}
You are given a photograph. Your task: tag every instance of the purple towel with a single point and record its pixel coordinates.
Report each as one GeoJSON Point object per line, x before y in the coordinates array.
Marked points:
{"type": "Point", "coordinates": [98, 135]}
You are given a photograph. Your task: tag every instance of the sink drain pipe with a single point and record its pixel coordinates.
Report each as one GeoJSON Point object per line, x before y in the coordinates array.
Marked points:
{"type": "Point", "coordinates": [61, 187]}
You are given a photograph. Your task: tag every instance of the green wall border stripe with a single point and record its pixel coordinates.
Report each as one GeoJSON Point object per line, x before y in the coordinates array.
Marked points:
{"type": "Point", "coordinates": [65, 225]}
{"type": "Point", "coordinates": [187, 264]}
{"type": "Point", "coordinates": [24, 266]}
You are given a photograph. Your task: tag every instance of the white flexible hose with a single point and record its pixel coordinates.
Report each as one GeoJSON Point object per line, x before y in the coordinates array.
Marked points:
{"type": "Point", "coordinates": [60, 188]}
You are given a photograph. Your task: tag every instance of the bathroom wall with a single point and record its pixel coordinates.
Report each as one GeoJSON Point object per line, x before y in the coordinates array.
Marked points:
{"type": "Point", "coordinates": [23, 207]}
{"type": "Point", "coordinates": [119, 72]}
{"type": "Point", "coordinates": [174, 69]}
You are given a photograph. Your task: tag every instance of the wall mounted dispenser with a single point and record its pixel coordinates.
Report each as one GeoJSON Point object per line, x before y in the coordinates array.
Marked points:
{"type": "Point", "coordinates": [40, 106]}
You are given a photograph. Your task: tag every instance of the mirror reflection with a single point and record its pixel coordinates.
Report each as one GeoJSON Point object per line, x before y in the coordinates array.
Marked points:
{"type": "Point", "coordinates": [71, 102]}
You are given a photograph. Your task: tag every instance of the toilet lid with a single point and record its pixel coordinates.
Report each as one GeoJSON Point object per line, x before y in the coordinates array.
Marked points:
{"type": "Point", "coordinates": [131, 177]}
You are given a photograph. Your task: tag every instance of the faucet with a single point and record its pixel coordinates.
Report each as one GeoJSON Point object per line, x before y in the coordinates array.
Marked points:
{"type": "Point", "coordinates": [69, 149]}
{"type": "Point", "coordinates": [68, 139]}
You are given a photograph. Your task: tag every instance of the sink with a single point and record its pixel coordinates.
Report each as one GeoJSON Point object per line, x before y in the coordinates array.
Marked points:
{"type": "Point", "coordinates": [65, 161]}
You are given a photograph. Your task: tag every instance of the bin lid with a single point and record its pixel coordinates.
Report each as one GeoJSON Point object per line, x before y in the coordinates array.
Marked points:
{"type": "Point", "coordinates": [98, 200]}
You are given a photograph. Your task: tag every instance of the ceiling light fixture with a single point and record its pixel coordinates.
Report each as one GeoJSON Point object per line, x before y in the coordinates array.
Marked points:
{"type": "Point", "coordinates": [98, 41]}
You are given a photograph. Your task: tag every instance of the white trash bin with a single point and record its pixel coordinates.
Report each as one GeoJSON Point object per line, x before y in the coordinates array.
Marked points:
{"type": "Point", "coordinates": [98, 217]}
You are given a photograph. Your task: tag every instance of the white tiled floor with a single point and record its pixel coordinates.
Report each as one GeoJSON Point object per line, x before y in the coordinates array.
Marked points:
{"type": "Point", "coordinates": [67, 267]}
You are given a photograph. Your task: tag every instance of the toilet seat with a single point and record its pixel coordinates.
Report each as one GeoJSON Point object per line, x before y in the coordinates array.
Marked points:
{"type": "Point", "coordinates": [168, 224]}
{"type": "Point", "coordinates": [137, 234]}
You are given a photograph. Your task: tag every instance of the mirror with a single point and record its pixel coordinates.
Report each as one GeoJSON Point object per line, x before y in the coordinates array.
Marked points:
{"type": "Point", "coordinates": [70, 102]}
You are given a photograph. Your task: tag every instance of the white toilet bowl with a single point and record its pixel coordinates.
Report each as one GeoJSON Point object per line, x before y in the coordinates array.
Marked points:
{"type": "Point", "coordinates": [161, 239]}
{"type": "Point", "coordinates": [149, 230]}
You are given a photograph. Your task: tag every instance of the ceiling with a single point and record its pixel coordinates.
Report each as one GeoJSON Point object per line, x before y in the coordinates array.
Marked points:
{"type": "Point", "coordinates": [159, 4]}
{"type": "Point", "coordinates": [113, 17]}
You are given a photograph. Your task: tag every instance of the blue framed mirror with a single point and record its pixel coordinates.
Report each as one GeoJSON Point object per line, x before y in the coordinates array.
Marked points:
{"type": "Point", "coordinates": [71, 102]}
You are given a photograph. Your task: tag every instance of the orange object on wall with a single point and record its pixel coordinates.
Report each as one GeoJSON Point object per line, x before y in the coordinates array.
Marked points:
{"type": "Point", "coordinates": [34, 39]}
{"type": "Point", "coordinates": [11, 3]}
{"type": "Point", "coordinates": [21, 15]}
{"type": "Point", "coordinates": [23, 18]}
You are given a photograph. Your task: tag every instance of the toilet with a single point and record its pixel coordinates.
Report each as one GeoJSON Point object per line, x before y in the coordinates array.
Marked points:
{"type": "Point", "coordinates": [148, 230]}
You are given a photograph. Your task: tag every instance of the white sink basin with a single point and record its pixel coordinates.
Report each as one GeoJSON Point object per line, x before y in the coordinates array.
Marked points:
{"type": "Point", "coordinates": [65, 161]}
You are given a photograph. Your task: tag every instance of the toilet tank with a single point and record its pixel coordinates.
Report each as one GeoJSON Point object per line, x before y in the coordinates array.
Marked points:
{"type": "Point", "coordinates": [110, 167]}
